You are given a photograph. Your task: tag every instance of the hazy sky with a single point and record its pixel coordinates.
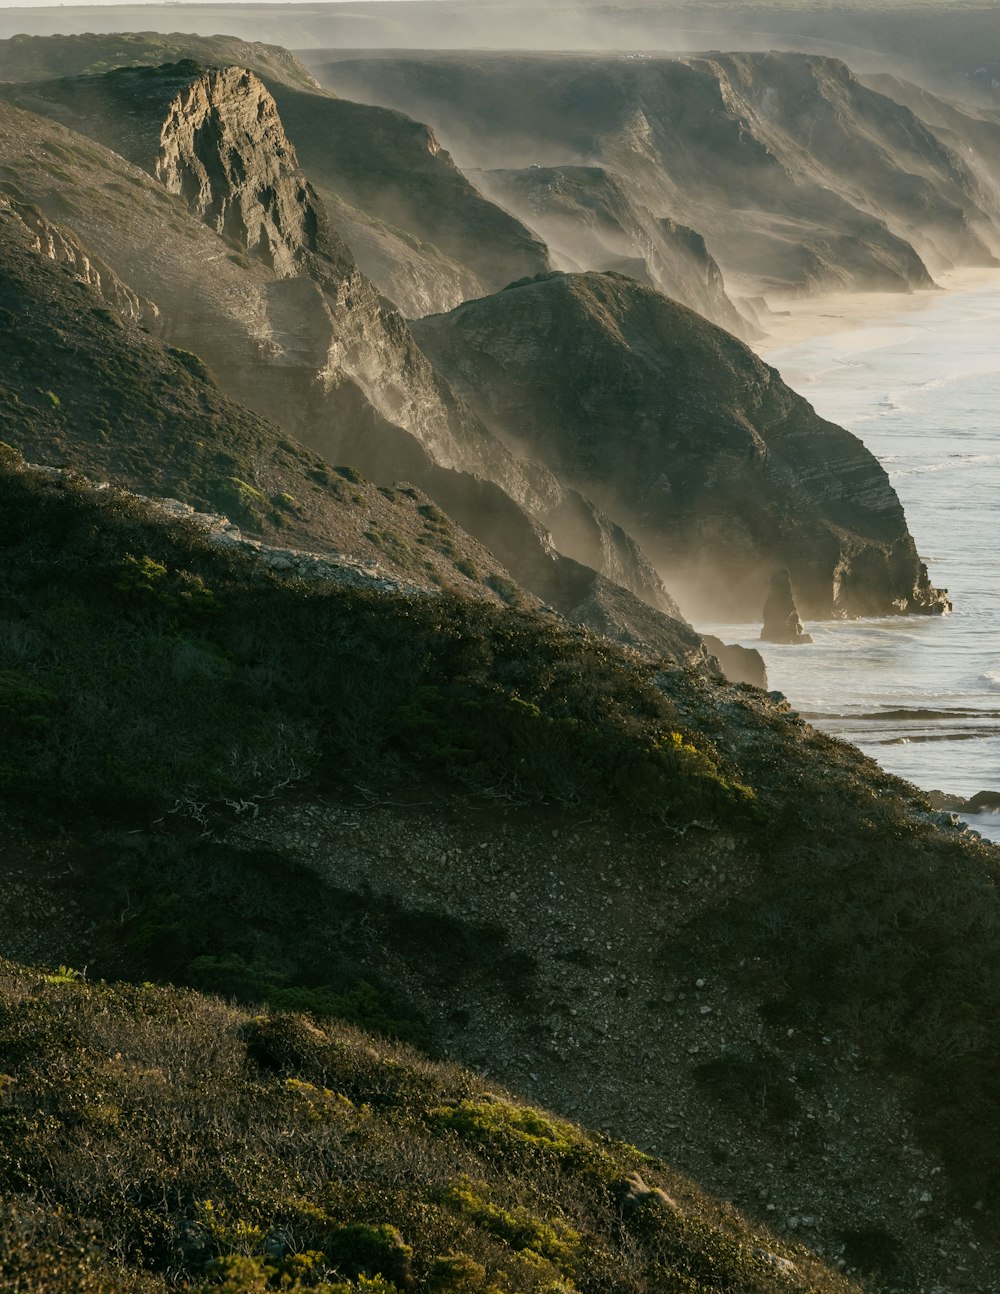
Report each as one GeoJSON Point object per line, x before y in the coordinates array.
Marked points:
{"type": "Point", "coordinates": [90, 4]}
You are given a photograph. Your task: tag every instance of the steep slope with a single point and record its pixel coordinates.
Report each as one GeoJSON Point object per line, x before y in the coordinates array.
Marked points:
{"type": "Point", "coordinates": [393, 168]}
{"type": "Point", "coordinates": [972, 131]}
{"type": "Point", "coordinates": [825, 123]}
{"type": "Point", "coordinates": [488, 1193]}
{"type": "Point", "coordinates": [587, 214]}
{"type": "Point", "coordinates": [280, 312]}
{"type": "Point", "coordinates": [415, 276]}
{"type": "Point", "coordinates": [690, 441]}
{"type": "Point", "coordinates": [659, 904]}
{"type": "Point", "coordinates": [86, 389]}
{"type": "Point", "coordinates": [396, 182]}
{"type": "Point", "coordinates": [721, 144]}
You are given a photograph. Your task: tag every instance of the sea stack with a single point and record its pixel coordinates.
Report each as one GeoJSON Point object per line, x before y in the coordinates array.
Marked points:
{"type": "Point", "coordinates": [781, 618]}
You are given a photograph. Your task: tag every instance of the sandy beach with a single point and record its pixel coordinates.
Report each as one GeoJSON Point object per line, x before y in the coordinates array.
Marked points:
{"type": "Point", "coordinates": [797, 319]}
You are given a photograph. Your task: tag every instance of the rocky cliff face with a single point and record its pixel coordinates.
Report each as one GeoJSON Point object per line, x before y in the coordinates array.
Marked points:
{"type": "Point", "coordinates": [586, 214]}
{"type": "Point", "coordinates": [689, 440]}
{"type": "Point", "coordinates": [317, 350]}
{"type": "Point", "coordinates": [224, 150]}
{"type": "Point", "coordinates": [798, 177]}
{"type": "Point", "coordinates": [824, 123]}
{"type": "Point", "coordinates": [58, 243]}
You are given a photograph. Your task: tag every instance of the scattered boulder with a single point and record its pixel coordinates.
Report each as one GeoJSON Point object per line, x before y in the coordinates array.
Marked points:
{"type": "Point", "coordinates": [633, 1192]}
{"type": "Point", "coordinates": [981, 802]}
{"type": "Point", "coordinates": [781, 617]}
{"type": "Point", "coordinates": [784, 1266]}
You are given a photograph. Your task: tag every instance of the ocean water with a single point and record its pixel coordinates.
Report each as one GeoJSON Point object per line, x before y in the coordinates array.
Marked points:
{"type": "Point", "coordinates": [921, 388]}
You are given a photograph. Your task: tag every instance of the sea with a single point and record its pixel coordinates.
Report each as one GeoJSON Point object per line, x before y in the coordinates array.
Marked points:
{"type": "Point", "coordinates": [919, 382]}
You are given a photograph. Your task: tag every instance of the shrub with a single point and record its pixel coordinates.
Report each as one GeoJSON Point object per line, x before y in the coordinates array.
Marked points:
{"type": "Point", "coordinates": [359, 1249]}
{"type": "Point", "coordinates": [194, 364]}
{"type": "Point", "coordinates": [518, 1227]}
{"type": "Point", "coordinates": [468, 568]}
{"type": "Point", "coordinates": [455, 1274]}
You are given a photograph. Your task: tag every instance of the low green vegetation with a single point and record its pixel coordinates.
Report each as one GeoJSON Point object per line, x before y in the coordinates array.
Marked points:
{"type": "Point", "coordinates": [154, 1139]}
{"type": "Point", "coordinates": [150, 670]}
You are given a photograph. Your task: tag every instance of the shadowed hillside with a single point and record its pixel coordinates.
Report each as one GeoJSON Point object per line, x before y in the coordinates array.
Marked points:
{"type": "Point", "coordinates": [650, 901]}
{"type": "Point", "coordinates": [689, 440]}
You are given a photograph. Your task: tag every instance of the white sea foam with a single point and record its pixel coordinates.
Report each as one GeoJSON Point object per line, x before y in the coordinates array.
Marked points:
{"type": "Point", "coordinates": [923, 392]}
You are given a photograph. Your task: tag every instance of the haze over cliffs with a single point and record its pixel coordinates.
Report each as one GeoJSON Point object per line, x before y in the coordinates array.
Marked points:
{"type": "Point", "coordinates": [435, 753]}
{"type": "Point", "coordinates": [288, 322]}
{"type": "Point", "coordinates": [798, 176]}
{"type": "Point", "coordinates": [322, 354]}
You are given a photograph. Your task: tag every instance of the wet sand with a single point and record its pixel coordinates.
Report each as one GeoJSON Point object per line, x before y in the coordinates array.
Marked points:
{"type": "Point", "coordinates": [809, 317]}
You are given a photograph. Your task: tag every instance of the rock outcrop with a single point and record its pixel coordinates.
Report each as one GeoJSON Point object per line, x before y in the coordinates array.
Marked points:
{"type": "Point", "coordinates": [688, 440]}
{"type": "Point", "coordinates": [981, 802]}
{"type": "Point", "coordinates": [780, 614]}
{"type": "Point", "coordinates": [738, 664]}
{"type": "Point", "coordinates": [58, 243]}
{"type": "Point", "coordinates": [223, 149]}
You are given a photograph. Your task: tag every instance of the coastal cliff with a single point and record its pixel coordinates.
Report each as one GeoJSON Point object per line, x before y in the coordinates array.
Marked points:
{"type": "Point", "coordinates": [799, 177]}
{"type": "Point", "coordinates": [690, 441]}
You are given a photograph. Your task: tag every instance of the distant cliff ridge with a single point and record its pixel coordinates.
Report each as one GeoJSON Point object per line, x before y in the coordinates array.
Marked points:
{"type": "Point", "coordinates": [799, 177]}
{"type": "Point", "coordinates": [248, 273]}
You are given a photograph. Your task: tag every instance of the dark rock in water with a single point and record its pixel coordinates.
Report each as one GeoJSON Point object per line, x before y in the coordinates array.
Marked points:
{"type": "Point", "coordinates": [981, 802]}
{"type": "Point", "coordinates": [781, 618]}
{"type": "Point", "coordinates": [739, 664]}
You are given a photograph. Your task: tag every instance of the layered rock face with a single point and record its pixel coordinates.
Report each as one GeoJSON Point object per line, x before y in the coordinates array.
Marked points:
{"type": "Point", "coordinates": [60, 244]}
{"type": "Point", "coordinates": [799, 177]}
{"type": "Point", "coordinates": [689, 440]}
{"type": "Point", "coordinates": [214, 129]}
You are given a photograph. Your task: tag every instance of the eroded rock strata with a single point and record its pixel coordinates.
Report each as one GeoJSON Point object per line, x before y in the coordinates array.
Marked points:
{"type": "Point", "coordinates": [799, 177]}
